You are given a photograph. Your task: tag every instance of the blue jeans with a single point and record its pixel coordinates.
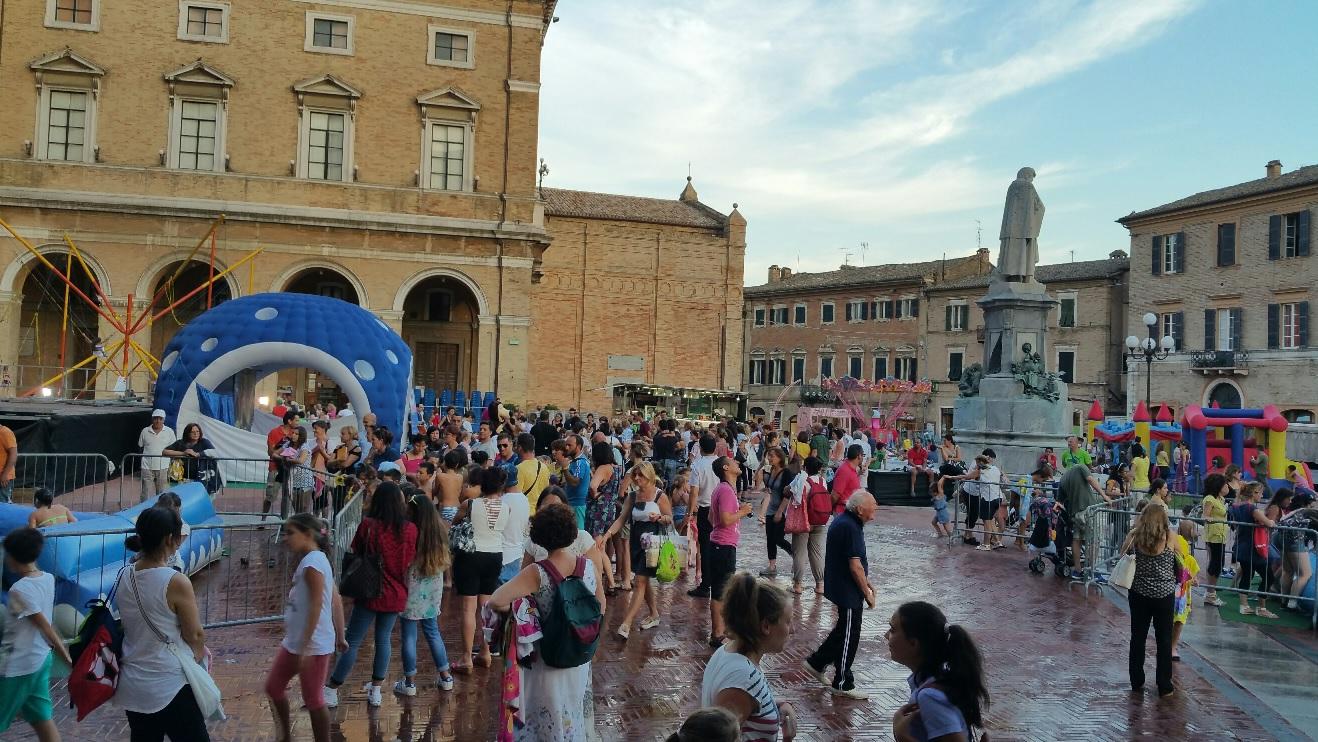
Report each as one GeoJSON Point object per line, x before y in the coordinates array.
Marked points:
{"type": "Point", "coordinates": [509, 571]}
{"type": "Point", "coordinates": [361, 620]}
{"type": "Point", "coordinates": [429, 627]}
{"type": "Point", "coordinates": [7, 492]}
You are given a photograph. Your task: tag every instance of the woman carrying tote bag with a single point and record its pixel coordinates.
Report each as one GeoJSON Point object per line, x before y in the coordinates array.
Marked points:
{"type": "Point", "coordinates": [161, 697]}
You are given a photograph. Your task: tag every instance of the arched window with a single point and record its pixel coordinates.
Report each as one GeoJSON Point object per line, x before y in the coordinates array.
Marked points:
{"type": "Point", "coordinates": [1299, 416]}
{"type": "Point", "coordinates": [1226, 395]}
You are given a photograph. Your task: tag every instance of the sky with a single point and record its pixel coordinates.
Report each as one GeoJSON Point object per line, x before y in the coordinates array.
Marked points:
{"type": "Point", "coordinates": [900, 123]}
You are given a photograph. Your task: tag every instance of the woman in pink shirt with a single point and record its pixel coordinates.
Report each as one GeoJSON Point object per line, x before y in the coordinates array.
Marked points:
{"type": "Point", "coordinates": [725, 514]}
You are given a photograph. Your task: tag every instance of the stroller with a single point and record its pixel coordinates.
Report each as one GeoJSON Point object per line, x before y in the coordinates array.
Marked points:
{"type": "Point", "coordinates": [1050, 537]}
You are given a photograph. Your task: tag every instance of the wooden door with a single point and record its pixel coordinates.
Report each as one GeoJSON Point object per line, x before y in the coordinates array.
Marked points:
{"type": "Point", "coordinates": [435, 365]}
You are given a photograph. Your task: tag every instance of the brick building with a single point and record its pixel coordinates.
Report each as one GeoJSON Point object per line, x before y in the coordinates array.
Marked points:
{"type": "Point", "coordinates": [380, 152]}
{"type": "Point", "coordinates": [1085, 333]}
{"type": "Point", "coordinates": [1229, 274]}
{"type": "Point", "coordinates": [858, 321]}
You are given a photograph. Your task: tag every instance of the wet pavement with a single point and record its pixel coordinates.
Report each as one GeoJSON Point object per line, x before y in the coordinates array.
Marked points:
{"type": "Point", "coordinates": [1056, 662]}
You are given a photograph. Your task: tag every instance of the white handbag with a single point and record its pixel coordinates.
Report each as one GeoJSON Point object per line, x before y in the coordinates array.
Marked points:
{"type": "Point", "coordinates": [204, 689]}
{"type": "Point", "coordinates": [1123, 575]}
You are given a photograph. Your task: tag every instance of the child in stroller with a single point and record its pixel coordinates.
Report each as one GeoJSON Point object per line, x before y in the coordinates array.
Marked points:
{"type": "Point", "coordinates": [1050, 534]}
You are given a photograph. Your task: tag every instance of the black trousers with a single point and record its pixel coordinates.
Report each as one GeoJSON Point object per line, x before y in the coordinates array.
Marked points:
{"type": "Point", "coordinates": [181, 721]}
{"type": "Point", "coordinates": [1159, 612]}
{"type": "Point", "coordinates": [774, 531]}
{"type": "Point", "coordinates": [702, 536]}
{"type": "Point", "coordinates": [839, 648]}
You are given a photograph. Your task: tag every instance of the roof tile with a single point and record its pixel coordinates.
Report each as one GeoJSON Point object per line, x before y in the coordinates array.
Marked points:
{"type": "Point", "coordinates": [1304, 176]}
{"type": "Point", "coordinates": [1046, 274]}
{"type": "Point", "coordinates": [589, 205]}
{"type": "Point", "coordinates": [860, 275]}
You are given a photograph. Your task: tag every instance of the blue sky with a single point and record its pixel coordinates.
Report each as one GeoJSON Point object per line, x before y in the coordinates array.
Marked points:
{"type": "Point", "coordinates": [900, 123]}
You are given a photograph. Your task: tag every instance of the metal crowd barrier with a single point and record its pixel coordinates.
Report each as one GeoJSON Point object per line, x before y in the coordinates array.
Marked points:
{"type": "Point", "coordinates": [345, 525]}
{"type": "Point", "coordinates": [80, 481]}
{"type": "Point", "coordinates": [1111, 525]}
{"type": "Point", "coordinates": [244, 581]}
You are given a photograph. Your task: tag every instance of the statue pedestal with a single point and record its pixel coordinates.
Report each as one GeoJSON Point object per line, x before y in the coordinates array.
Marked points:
{"type": "Point", "coordinates": [1015, 313]}
{"type": "Point", "coordinates": [1015, 426]}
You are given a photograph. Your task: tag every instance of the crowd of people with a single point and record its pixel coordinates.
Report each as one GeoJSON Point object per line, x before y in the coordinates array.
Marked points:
{"type": "Point", "coordinates": [548, 517]}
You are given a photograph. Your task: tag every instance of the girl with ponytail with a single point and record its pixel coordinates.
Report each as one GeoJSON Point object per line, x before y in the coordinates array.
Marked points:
{"type": "Point", "coordinates": [313, 627]}
{"type": "Point", "coordinates": [947, 676]}
{"type": "Point", "coordinates": [758, 622]}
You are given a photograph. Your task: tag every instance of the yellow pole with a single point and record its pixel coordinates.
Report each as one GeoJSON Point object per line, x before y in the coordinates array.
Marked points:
{"type": "Point", "coordinates": [64, 320]}
{"type": "Point", "coordinates": [1277, 461]}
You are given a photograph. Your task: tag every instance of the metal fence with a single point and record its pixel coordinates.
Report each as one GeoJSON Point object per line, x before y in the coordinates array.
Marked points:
{"type": "Point", "coordinates": [79, 480]}
{"type": "Point", "coordinates": [1107, 528]}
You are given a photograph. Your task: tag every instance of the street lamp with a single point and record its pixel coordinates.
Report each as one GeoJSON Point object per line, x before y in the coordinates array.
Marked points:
{"type": "Point", "coordinates": [1149, 349]}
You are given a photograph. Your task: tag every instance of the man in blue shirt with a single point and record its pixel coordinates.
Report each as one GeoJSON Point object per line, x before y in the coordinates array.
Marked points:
{"type": "Point", "coordinates": [846, 585]}
{"type": "Point", "coordinates": [574, 469]}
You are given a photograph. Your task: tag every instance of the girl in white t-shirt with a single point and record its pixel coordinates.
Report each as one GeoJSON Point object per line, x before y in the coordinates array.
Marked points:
{"type": "Point", "coordinates": [313, 627]}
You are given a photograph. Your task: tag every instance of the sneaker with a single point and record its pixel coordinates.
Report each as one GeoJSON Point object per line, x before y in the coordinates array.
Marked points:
{"type": "Point", "coordinates": [649, 623]}
{"type": "Point", "coordinates": [1229, 574]}
{"type": "Point", "coordinates": [812, 672]}
{"type": "Point", "coordinates": [983, 547]}
{"type": "Point", "coordinates": [444, 681]}
{"type": "Point", "coordinates": [403, 689]}
{"type": "Point", "coordinates": [374, 697]}
{"type": "Point", "coordinates": [1214, 601]}
{"type": "Point", "coordinates": [1293, 606]}
{"type": "Point", "coordinates": [625, 631]}
{"type": "Point", "coordinates": [331, 697]}
{"type": "Point", "coordinates": [854, 693]}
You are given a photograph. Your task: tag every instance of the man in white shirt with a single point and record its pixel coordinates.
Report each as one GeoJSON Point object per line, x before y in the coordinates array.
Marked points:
{"type": "Point", "coordinates": [863, 441]}
{"type": "Point", "coordinates": [702, 476]}
{"type": "Point", "coordinates": [517, 527]}
{"type": "Point", "coordinates": [155, 468]}
{"type": "Point", "coordinates": [486, 442]}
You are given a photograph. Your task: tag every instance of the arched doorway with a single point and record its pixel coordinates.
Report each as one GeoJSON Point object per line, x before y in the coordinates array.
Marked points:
{"type": "Point", "coordinates": [43, 331]}
{"type": "Point", "coordinates": [323, 281]}
{"type": "Point", "coordinates": [1226, 395]}
{"type": "Point", "coordinates": [308, 386]}
{"type": "Point", "coordinates": [187, 277]}
{"type": "Point", "coordinates": [441, 323]}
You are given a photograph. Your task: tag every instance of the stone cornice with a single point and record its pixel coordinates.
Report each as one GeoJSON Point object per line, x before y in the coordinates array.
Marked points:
{"type": "Point", "coordinates": [263, 212]}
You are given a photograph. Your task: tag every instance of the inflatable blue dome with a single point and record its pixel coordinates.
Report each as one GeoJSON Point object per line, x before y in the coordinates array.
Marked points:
{"type": "Point", "coordinates": [268, 332]}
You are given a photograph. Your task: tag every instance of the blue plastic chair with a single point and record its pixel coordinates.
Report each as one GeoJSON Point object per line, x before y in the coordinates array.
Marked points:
{"type": "Point", "coordinates": [489, 399]}
{"type": "Point", "coordinates": [475, 403]}
{"type": "Point", "coordinates": [446, 398]}
{"type": "Point", "coordinates": [460, 401]}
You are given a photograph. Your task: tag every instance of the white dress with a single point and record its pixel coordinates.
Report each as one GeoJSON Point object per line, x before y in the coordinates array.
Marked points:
{"type": "Point", "coordinates": [558, 704]}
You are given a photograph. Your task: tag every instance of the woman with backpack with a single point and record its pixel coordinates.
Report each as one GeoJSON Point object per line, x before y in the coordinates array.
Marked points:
{"type": "Point", "coordinates": [810, 490]}
{"type": "Point", "coordinates": [649, 512]}
{"type": "Point", "coordinates": [947, 688]}
{"type": "Point", "coordinates": [385, 533]}
{"type": "Point", "coordinates": [555, 699]}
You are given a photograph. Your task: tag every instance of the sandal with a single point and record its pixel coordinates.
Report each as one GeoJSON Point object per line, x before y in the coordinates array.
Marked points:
{"type": "Point", "coordinates": [1264, 613]}
{"type": "Point", "coordinates": [460, 667]}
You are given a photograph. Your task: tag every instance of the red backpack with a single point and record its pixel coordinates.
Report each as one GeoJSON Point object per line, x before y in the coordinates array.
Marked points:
{"type": "Point", "coordinates": [818, 501]}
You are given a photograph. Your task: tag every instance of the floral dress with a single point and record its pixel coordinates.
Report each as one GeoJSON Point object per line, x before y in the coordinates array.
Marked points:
{"type": "Point", "coordinates": [603, 509]}
{"type": "Point", "coordinates": [558, 704]}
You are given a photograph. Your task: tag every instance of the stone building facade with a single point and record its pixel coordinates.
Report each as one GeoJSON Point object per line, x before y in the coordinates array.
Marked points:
{"type": "Point", "coordinates": [860, 321]}
{"type": "Point", "coordinates": [1230, 274]}
{"type": "Point", "coordinates": [381, 152]}
{"type": "Point", "coordinates": [1085, 333]}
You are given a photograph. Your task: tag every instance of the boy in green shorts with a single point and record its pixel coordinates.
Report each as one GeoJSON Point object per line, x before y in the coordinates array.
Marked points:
{"type": "Point", "coordinates": [25, 655]}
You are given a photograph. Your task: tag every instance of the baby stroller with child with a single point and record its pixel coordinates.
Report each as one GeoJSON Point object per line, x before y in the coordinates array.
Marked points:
{"type": "Point", "coordinates": [1050, 537]}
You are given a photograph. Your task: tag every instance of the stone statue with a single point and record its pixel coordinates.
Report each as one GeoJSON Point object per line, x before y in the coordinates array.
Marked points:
{"type": "Point", "coordinates": [1022, 216]}
{"type": "Point", "coordinates": [970, 377]}
{"type": "Point", "coordinates": [1030, 372]}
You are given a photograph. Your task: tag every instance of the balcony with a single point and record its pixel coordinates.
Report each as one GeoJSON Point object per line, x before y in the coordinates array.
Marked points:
{"type": "Point", "coordinates": [814, 394]}
{"type": "Point", "coordinates": [1220, 362]}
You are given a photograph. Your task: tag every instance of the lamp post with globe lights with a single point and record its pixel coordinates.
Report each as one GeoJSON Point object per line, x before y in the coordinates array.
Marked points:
{"type": "Point", "coordinates": [1149, 349]}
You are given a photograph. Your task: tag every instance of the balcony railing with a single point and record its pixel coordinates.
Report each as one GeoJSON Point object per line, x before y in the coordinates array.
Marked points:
{"type": "Point", "coordinates": [1221, 361]}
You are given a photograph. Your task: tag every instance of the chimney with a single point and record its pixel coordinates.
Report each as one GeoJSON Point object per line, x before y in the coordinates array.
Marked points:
{"type": "Point", "coordinates": [983, 254]}
{"type": "Point", "coordinates": [1274, 169]}
{"type": "Point", "coordinates": [775, 274]}
{"type": "Point", "coordinates": [786, 273]}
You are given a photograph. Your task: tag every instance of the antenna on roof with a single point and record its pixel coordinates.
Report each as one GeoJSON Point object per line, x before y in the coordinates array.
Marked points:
{"type": "Point", "coordinates": [1073, 255]}
{"type": "Point", "coordinates": [864, 246]}
{"type": "Point", "coordinates": [688, 169]}
{"type": "Point", "coordinates": [979, 234]}
{"type": "Point", "coordinates": [846, 256]}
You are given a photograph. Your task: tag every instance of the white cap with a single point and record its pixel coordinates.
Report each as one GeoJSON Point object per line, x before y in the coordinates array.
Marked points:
{"type": "Point", "coordinates": [157, 413]}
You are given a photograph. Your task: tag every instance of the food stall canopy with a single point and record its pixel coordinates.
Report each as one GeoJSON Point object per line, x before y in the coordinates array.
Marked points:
{"type": "Point", "coordinates": [683, 403]}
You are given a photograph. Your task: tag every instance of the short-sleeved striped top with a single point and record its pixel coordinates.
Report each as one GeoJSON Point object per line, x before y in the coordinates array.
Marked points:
{"type": "Point", "coordinates": [731, 670]}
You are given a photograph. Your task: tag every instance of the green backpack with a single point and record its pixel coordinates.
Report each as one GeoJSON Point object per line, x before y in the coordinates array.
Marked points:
{"type": "Point", "coordinates": [670, 563]}
{"type": "Point", "coordinates": [570, 631]}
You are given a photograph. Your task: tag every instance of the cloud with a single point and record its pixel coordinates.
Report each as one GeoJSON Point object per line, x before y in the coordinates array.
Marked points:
{"type": "Point", "coordinates": [811, 109]}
